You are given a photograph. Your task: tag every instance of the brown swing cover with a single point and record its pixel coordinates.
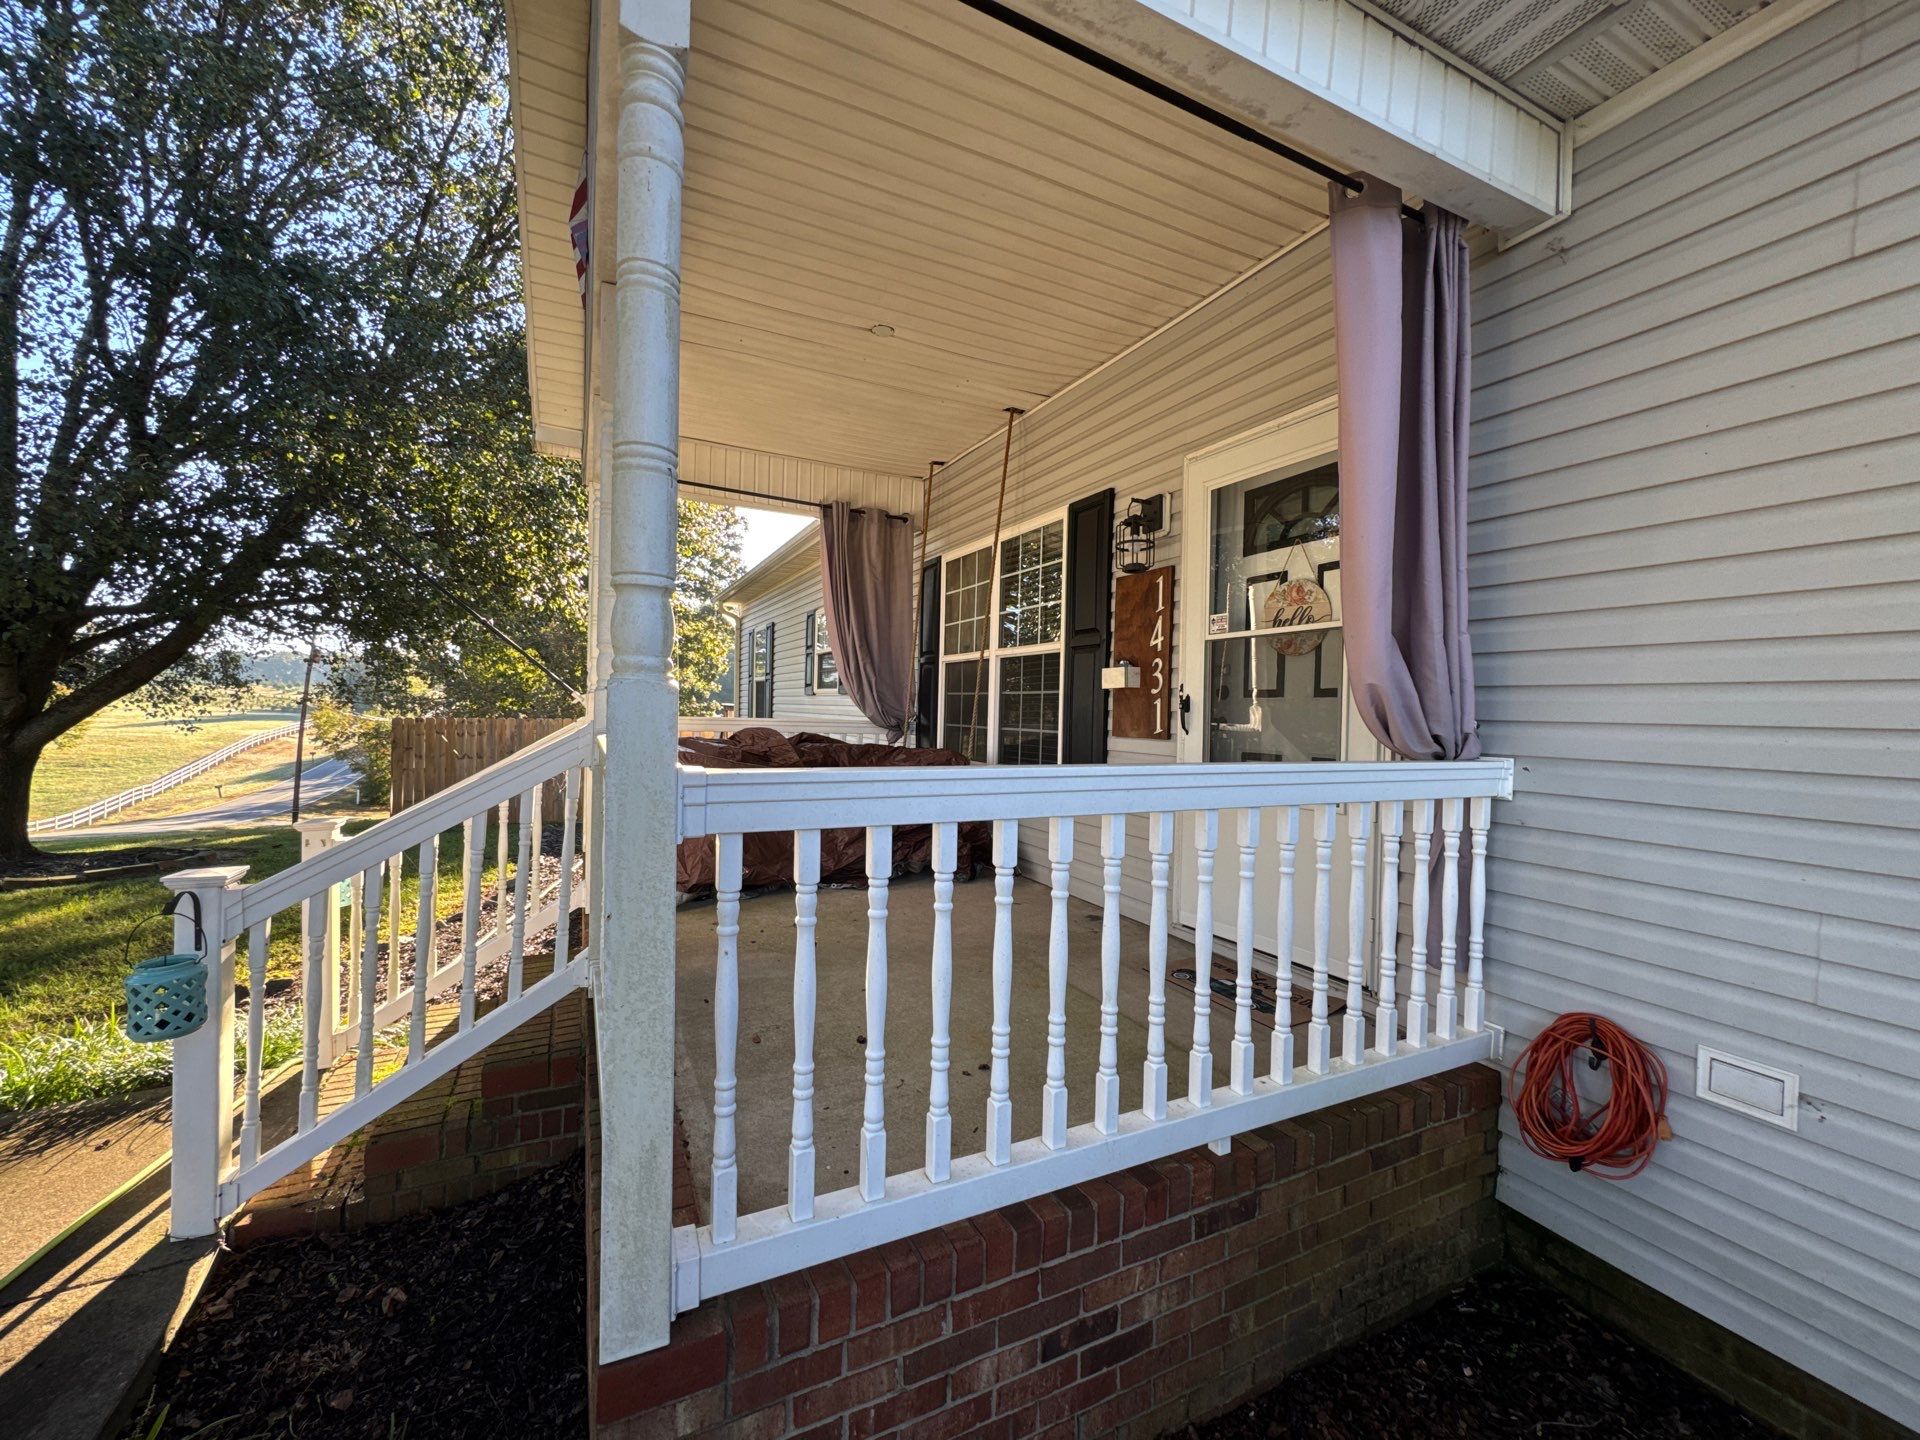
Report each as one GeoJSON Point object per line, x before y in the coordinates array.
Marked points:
{"type": "Point", "coordinates": [767, 859]}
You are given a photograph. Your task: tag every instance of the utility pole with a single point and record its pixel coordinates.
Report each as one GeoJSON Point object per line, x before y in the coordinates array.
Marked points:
{"type": "Point", "coordinates": [300, 735]}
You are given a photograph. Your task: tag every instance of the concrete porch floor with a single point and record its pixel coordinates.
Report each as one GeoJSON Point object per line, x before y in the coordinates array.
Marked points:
{"type": "Point", "coordinates": [765, 1066]}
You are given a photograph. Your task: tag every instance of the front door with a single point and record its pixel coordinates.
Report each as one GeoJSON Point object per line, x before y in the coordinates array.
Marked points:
{"type": "Point", "coordinates": [1262, 663]}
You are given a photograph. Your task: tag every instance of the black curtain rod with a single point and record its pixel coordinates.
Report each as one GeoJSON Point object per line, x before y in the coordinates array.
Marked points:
{"type": "Point", "coordinates": [778, 499]}
{"type": "Point", "coordinates": [1087, 55]}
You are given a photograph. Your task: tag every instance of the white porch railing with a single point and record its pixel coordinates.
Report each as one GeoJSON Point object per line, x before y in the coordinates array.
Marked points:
{"type": "Point", "coordinates": [1443, 1025]}
{"type": "Point", "coordinates": [716, 727]}
{"type": "Point", "coordinates": [353, 988]}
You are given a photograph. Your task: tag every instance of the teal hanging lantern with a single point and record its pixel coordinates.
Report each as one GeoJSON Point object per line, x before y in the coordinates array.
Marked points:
{"type": "Point", "coordinates": [166, 998]}
{"type": "Point", "coordinates": [167, 995]}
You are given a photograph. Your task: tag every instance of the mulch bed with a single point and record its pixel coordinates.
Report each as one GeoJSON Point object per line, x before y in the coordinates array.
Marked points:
{"type": "Point", "coordinates": [462, 1323]}
{"type": "Point", "coordinates": [68, 867]}
{"type": "Point", "coordinates": [1504, 1356]}
{"type": "Point", "coordinates": [472, 1322]}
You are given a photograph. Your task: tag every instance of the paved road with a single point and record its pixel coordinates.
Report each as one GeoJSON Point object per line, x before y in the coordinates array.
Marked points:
{"type": "Point", "coordinates": [257, 807]}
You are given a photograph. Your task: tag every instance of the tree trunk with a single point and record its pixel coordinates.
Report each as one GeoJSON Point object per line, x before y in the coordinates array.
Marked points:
{"type": "Point", "coordinates": [17, 764]}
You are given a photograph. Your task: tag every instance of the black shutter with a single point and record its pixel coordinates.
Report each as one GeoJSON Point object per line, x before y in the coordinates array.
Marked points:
{"type": "Point", "coordinates": [1089, 617]}
{"type": "Point", "coordinates": [768, 712]}
{"type": "Point", "coordinates": [750, 684]}
{"type": "Point", "coordinates": [927, 697]}
{"type": "Point", "coordinates": [806, 665]}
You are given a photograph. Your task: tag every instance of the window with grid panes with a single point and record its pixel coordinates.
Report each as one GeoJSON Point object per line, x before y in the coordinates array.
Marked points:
{"type": "Point", "coordinates": [826, 672]}
{"type": "Point", "coordinates": [1001, 667]}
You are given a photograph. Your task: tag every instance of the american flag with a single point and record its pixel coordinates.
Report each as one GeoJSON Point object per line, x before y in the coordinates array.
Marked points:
{"type": "Point", "coordinates": [577, 228]}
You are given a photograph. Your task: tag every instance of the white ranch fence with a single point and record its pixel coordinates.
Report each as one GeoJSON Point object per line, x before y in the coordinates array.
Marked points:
{"type": "Point", "coordinates": [100, 809]}
{"type": "Point", "coordinates": [717, 727]}
{"type": "Point", "coordinates": [364, 977]}
{"type": "Point", "coordinates": [1318, 806]}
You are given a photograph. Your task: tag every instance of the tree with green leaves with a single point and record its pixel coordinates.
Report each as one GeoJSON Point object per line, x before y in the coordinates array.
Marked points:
{"type": "Point", "coordinates": [472, 647]}
{"type": "Point", "coordinates": [261, 360]}
{"type": "Point", "coordinates": [703, 637]}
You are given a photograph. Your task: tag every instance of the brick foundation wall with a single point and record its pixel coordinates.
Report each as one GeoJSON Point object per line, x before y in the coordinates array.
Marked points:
{"type": "Point", "coordinates": [1774, 1389]}
{"type": "Point", "coordinates": [514, 1108]}
{"type": "Point", "coordinates": [1125, 1306]}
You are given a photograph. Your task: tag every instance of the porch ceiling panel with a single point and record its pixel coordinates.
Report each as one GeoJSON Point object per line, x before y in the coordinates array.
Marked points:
{"type": "Point", "coordinates": [1015, 217]}
{"type": "Point", "coordinates": [547, 96]}
{"type": "Point", "coordinates": [728, 475]}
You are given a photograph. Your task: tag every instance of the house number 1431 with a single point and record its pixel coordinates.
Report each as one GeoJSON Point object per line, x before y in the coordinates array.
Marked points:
{"type": "Point", "coordinates": [1143, 637]}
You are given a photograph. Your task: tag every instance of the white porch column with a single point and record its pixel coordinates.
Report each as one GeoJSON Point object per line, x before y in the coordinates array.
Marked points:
{"type": "Point", "coordinates": [634, 925]}
{"type": "Point", "coordinates": [597, 467]}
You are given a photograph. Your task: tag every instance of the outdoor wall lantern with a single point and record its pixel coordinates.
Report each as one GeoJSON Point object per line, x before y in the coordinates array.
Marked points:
{"type": "Point", "coordinates": [1133, 536]}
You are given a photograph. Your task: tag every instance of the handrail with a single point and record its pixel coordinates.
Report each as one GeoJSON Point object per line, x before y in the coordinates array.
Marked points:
{"type": "Point", "coordinates": [729, 802]}
{"type": "Point", "coordinates": [179, 775]}
{"type": "Point", "coordinates": [507, 779]}
{"type": "Point", "coordinates": [1284, 824]}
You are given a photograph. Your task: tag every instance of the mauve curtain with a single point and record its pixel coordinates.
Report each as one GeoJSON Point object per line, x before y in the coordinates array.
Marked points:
{"type": "Point", "coordinates": [1400, 327]}
{"type": "Point", "coordinates": [866, 568]}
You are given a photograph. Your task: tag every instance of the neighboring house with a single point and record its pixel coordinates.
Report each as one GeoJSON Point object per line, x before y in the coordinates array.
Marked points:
{"type": "Point", "coordinates": [833, 241]}
{"type": "Point", "coordinates": [782, 651]}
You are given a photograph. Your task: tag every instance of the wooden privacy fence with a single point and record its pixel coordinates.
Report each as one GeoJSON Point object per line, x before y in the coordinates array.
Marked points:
{"type": "Point", "coordinates": [432, 753]}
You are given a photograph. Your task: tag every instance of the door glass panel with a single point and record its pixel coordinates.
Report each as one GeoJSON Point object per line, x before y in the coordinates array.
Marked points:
{"type": "Point", "coordinates": [1275, 675]}
{"type": "Point", "coordinates": [1268, 705]}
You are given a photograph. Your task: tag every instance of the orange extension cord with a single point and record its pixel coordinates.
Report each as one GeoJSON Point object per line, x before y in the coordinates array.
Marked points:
{"type": "Point", "coordinates": [1615, 1141]}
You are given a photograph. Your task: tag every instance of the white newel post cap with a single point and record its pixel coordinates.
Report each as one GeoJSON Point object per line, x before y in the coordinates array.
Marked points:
{"type": "Point", "coordinates": [209, 877]}
{"type": "Point", "coordinates": [319, 834]}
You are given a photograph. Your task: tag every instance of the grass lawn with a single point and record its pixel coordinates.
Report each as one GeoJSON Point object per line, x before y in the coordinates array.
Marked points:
{"type": "Point", "coordinates": [120, 748]}
{"type": "Point", "coordinates": [64, 955]}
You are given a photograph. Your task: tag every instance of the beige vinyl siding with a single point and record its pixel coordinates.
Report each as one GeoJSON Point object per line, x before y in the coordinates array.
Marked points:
{"type": "Point", "coordinates": [1695, 524]}
{"type": "Point", "coordinates": [1258, 351]}
{"type": "Point", "coordinates": [786, 603]}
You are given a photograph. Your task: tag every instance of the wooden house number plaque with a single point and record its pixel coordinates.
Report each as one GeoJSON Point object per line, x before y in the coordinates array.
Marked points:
{"type": "Point", "coordinates": [1143, 636]}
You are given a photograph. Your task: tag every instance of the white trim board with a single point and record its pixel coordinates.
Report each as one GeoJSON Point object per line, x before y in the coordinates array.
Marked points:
{"type": "Point", "coordinates": [1331, 78]}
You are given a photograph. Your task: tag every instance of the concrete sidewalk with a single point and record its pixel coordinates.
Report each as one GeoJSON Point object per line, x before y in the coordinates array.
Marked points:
{"type": "Point", "coordinates": [57, 1163]}
{"type": "Point", "coordinates": [81, 1330]}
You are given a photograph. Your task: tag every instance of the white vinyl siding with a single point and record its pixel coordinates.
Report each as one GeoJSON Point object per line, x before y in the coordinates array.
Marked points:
{"type": "Point", "coordinates": [1695, 532]}
{"type": "Point", "coordinates": [786, 603]}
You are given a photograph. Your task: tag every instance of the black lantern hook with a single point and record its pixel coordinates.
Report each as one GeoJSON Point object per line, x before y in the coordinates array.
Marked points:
{"type": "Point", "coordinates": [199, 931]}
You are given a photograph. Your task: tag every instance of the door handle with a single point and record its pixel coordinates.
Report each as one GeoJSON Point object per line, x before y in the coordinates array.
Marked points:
{"type": "Point", "coordinates": [1186, 710]}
